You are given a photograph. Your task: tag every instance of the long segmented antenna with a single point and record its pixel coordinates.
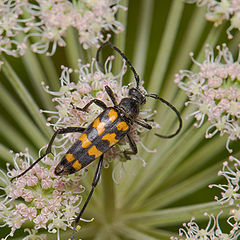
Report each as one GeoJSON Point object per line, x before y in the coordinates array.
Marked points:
{"type": "Point", "coordinates": [136, 76]}
{"type": "Point", "coordinates": [174, 109]}
{"type": "Point", "coordinates": [137, 86]}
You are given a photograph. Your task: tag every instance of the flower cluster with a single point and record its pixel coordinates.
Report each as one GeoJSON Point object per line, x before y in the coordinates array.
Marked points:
{"type": "Point", "coordinates": [230, 193]}
{"type": "Point", "coordinates": [215, 91]}
{"type": "Point", "coordinates": [11, 25]}
{"type": "Point", "coordinates": [230, 190]}
{"type": "Point", "coordinates": [220, 10]}
{"type": "Point", "coordinates": [212, 231]}
{"type": "Point", "coordinates": [49, 202]}
{"type": "Point", "coordinates": [46, 22]}
{"type": "Point", "coordinates": [91, 85]}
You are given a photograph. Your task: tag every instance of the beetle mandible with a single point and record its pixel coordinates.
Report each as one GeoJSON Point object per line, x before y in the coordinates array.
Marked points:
{"type": "Point", "coordinates": [113, 124]}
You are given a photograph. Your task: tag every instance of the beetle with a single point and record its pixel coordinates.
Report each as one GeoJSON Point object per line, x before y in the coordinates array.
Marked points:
{"type": "Point", "coordinates": [113, 124]}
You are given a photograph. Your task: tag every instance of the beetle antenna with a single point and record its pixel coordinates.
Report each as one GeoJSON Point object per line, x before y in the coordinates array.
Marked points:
{"type": "Point", "coordinates": [136, 76]}
{"type": "Point", "coordinates": [174, 109]}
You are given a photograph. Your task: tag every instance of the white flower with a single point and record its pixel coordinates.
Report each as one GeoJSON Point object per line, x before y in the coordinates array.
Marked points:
{"type": "Point", "coordinates": [45, 208]}
{"type": "Point", "coordinates": [46, 23]}
{"type": "Point", "coordinates": [215, 92]}
{"type": "Point", "coordinates": [220, 10]}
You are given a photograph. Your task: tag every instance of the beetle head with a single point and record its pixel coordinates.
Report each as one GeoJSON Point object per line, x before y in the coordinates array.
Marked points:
{"type": "Point", "coordinates": [137, 95]}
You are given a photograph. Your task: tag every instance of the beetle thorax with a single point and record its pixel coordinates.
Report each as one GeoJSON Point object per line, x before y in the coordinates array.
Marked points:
{"type": "Point", "coordinates": [130, 108]}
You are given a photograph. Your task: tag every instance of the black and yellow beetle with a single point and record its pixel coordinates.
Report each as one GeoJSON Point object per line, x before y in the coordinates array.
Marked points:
{"type": "Point", "coordinates": [105, 131]}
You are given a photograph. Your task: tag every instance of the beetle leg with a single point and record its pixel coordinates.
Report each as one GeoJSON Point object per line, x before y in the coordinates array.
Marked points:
{"type": "Point", "coordinates": [133, 147]}
{"type": "Point", "coordinates": [94, 184]}
{"type": "Point", "coordinates": [111, 95]}
{"type": "Point", "coordinates": [143, 124]}
{"type": "Point", "coordinates": [148, 120]}
{"type": "Point", "coordinates": [98, 102]}
{"type": "Point", "coordinates": [49, 148]}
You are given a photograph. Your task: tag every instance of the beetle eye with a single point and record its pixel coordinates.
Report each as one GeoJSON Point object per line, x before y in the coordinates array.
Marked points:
{"type": "Point", "coordinates": [137, 95]}
{"type": "Point", "coordinates": [132, 92]}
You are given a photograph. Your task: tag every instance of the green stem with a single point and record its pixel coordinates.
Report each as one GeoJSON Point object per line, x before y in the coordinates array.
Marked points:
{"type": "Point", "coordinates": [167, 43]}
{"type": "Point", "coordinates": [143, 34]}
{"type": "Point", "coordinates": [159, 169]}
{"type": "Point", "coordinates": [183, 189]}
{"type": "Point", "coordinates": [197, 160]}
{"type": "Point", "coordinates": [108, 193]}
{"type": "Point", "coordinates": [50, 71]}
{"type": "Point", "coordinates": [168, 120]}
{"type": "Point", "coordinates": [104, 233]}
{"type": "Point", "coordinates": [126, 231]}
{"type": "Point", "coordinates": [17, 140]}
{"type": "Point", "coordinates": [26, 97]}
{"type": "Point", "coordinates": [181, 59]}
{"type": "Point", "coordinates": [21, 118]}
{"type": "Point", "coordinates": [153, 232]}
{"type": "Point", "coordinates": [234, 43]}
{"type": "Point", "coordinates": [120, 39]}
{"type": "Point", "coordinates": [173, 216]}
{"type": "Point", "coordinates": [36, 76]}
{"type": "Point", "coordinates": [72, 49]}
{"type": "Point", "coordinates": [5, 154]}
{"type": "Point", "coordinates": [162, 146]}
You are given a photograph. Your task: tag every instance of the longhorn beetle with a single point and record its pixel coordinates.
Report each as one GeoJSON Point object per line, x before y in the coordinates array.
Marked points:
{"type": "Point", "coordinates": [104, 132]}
